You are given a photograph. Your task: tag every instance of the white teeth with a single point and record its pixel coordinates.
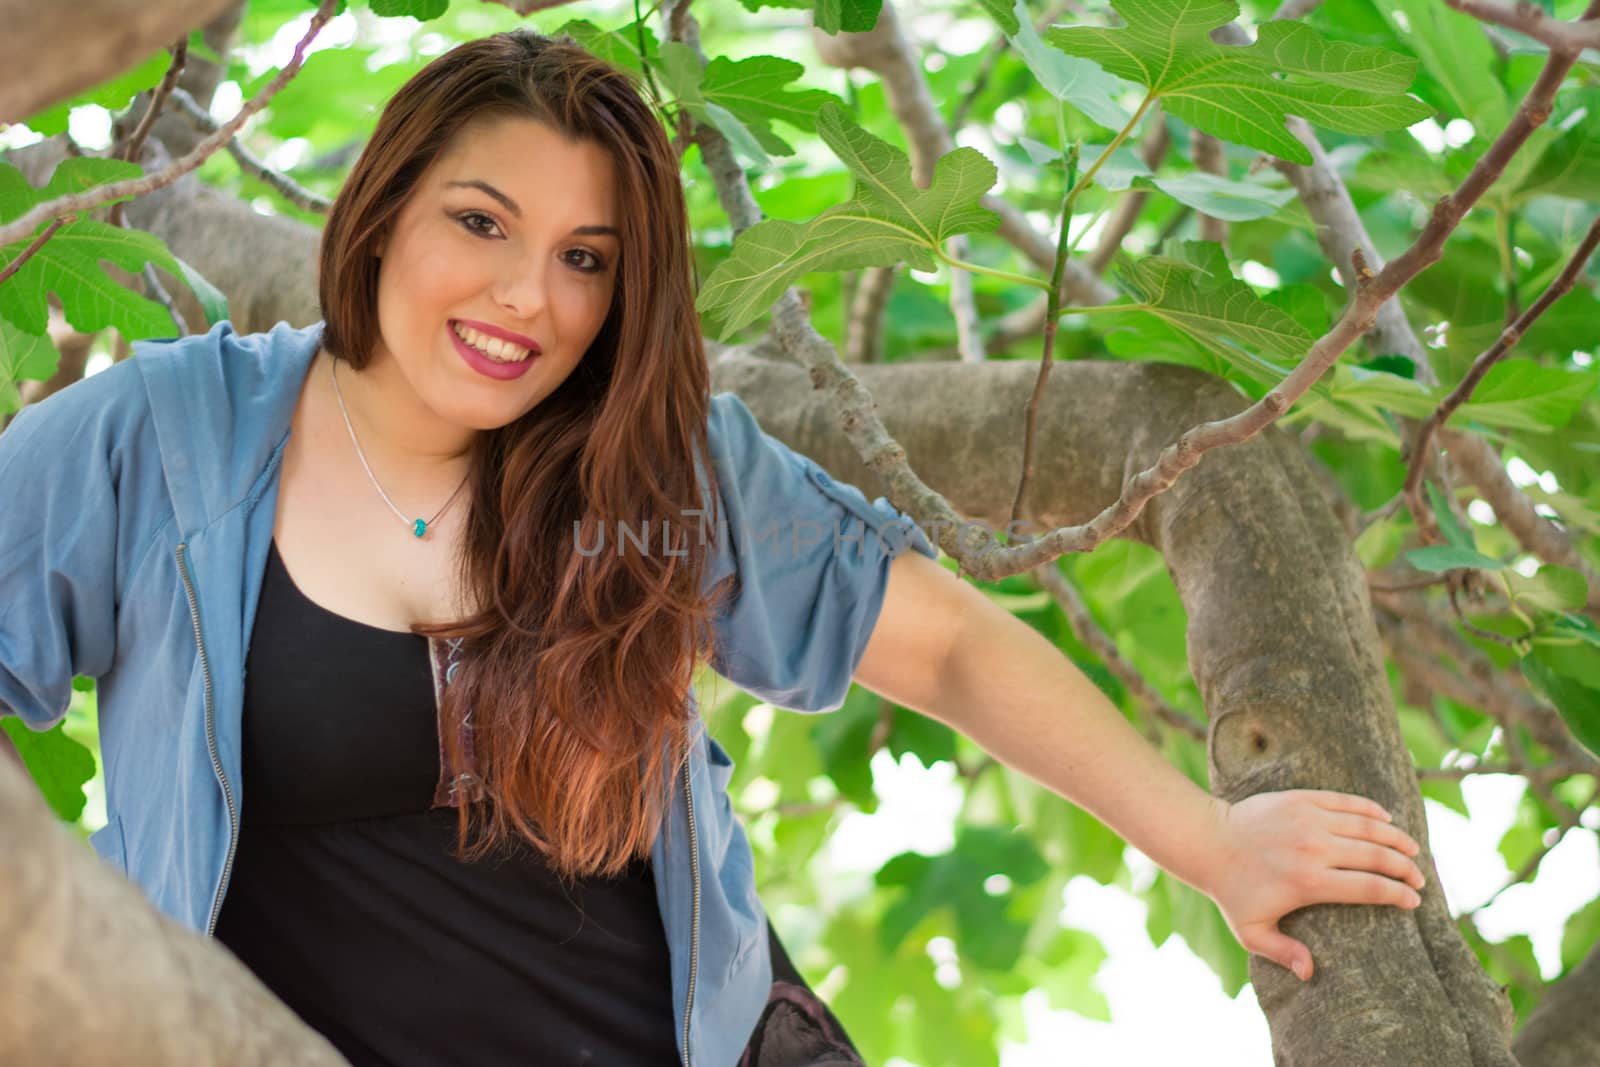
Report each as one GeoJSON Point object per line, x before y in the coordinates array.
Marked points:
{"type": "Point", "coordinates": [492, 347]}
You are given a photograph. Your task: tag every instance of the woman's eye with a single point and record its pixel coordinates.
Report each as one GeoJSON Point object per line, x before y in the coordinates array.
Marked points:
{"type": "Point", "coordinates": [586, 261]}
{"type": "Point", "coordinates": [467, 219]}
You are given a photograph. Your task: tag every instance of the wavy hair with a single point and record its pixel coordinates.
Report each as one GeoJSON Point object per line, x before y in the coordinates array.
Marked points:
{"type": "Point", "coordinates": [576, 663]}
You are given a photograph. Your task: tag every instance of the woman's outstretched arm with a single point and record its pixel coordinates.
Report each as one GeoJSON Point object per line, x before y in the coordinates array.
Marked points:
{"type": "Point", "coordinates": [943, 648]}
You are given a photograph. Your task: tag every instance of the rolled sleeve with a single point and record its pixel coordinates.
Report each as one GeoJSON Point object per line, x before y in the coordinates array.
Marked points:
{"type": "Point", "coordinates": [811, 560]}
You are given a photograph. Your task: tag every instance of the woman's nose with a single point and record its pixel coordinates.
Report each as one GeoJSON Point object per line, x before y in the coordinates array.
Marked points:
{"type": "Point", "coordinates": [522, 292]}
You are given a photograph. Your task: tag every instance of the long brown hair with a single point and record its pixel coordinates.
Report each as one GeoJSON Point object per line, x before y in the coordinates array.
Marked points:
{"type": "Point", "coordinates": [576, 664]}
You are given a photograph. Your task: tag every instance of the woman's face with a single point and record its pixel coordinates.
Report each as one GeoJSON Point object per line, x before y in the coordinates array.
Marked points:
{"type": "Point", "coordinates": [511, 231]}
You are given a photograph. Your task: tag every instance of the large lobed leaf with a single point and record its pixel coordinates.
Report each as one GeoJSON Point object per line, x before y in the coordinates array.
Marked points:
{"type": "Point", "coordinates": [68, 264]}
{"type": "Point", "coordinates": [1236, 92]}
{"type": "Point", "coordinates": [23, 356]}
{"type": "Point", "coordinates": [742, 99]}
{"type": "Point", "coordinates": [1217, 311]}
{"type": "Point", "coordinates": [888, 220]}
{"type": "Point", "coordinates": [1071, 79]}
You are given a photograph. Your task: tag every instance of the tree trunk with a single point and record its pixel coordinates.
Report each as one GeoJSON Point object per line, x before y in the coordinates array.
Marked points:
{"type": "Point", "coordinates": [52, 51]}
{"type": "Point", "coordinates": [94, 975]}
{"type": "Point", "coordinates": [1266, 575]}
{"type": "Point", "coordinates": [1564, 1030]}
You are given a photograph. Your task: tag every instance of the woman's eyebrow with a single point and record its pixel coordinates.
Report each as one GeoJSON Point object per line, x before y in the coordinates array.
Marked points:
{"type": "Point", "coordinates": [511, 206]}
{"type": "Point", "coordinates": [475, 183]}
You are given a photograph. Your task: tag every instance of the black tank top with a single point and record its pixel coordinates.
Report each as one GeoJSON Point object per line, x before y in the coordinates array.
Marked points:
{"type": "Point", "coordinates": [345, 899]}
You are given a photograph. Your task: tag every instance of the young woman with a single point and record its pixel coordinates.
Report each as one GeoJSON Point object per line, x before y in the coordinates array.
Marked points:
{"type": "Point", "coordinates": [394, 619]}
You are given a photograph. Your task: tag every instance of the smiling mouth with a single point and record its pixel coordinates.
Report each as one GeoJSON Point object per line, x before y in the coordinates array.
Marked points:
{"type": "Point", "coordinates": [491, 348]}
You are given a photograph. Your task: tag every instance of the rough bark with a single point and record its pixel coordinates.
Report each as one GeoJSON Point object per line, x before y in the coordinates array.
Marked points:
{"type": "Point", "coordinates": [65, 48]}
{"type": "Point", "coordinates": [1265, 574]}
{"type": "Point", "coordinates": [93, 975]}
{"type": "Point", "coordinates": [1564, 1030]}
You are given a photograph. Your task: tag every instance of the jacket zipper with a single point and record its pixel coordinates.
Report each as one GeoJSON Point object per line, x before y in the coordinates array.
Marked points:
{"type": "Point", "coordinates": [211, 741]}
{"type": "Point", "coordinates": [694, 923]}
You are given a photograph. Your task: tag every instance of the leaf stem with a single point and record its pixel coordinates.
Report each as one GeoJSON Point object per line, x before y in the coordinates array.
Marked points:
{"type": "Point", "coordinates": [992, 272]}
{"type": "Point", "coordinates": [1116, 143]}
{"type": "Point", "coordinates": [38, 242]}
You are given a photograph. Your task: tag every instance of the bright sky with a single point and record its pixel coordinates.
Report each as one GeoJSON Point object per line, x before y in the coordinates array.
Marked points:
{"type": "Point", "coordinates": [1166, 1004]}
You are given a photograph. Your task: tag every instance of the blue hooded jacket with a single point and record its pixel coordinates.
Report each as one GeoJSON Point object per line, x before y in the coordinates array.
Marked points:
{"type": "Point", "coordinates": [138, 508]}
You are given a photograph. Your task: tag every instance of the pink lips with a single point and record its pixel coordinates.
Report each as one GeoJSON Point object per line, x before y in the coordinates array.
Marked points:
{"type": "Point", "coordinates": [487, 367]}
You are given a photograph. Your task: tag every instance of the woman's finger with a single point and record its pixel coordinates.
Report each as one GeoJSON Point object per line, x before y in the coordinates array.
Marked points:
{"type": "Point", "coordinates": [1355, 887]}
{"type": "Point", "coordinates": [1281, 949]}
{"type": "Point", "coordinates": [1366, 856]}
{"type": "Point", "coordinates": [1362, 828]}
{"type": "Point", "coordinates": [1350, 802]}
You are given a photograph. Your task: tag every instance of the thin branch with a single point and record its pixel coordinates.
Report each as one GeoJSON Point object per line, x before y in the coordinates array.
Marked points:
{"type": "Point", "coordinates": [1518, 753]}
{"type": "Point", "coordinates": [1490, 356]}
{"type": "Point", "coordinates": [1476, 631]}
{"type": "Point", "coordinates": [1340, 232]}
{"type": "Point", "coordinates": [863, 337]}
{"type": "Point", "coordinates": [281, 183]}
{"type": "Point", "coordinates": [1296, 9]}
{"type": "Point", "coordinates": [991, 59]}
{"type": "Point", "coordinates": [1479, 464]}
{"type": "Point", "coordinates": [528, 7]}
{"type": "Point", "coordinates": [1415, 634]}
{"type": "Point", "coordinates": [1505, 234]}
{"type": "Point", "coordinates": [158, 98]}
{"type": "Point", "coordinates": [888, 53]}
{"type": "Point", "coordinates": [1206, 152]}
{"type": "Point", "coordinates": [165, 299]}
{"type": "Point", "coordinates": [1528, 18]}
{"type": "Point", "coordinates": [964, 306]}
{"type": "Point", "coordinates": [1052, 323]}
{"type": "Point", "coordinates": [1089, 632]}
{"type": "Point", "coordinates": [976, 549]}
{"type": "Point", "coordinates": [1407, 586]}
{"type": "Point", "coordinates": [1372, 290]}
{"type": "Point", "coordinates": [23, 226]}
{"type": "Point", "coordinates": [34, 246]}
{"type": "Point", "coordinates": [1548, 772]}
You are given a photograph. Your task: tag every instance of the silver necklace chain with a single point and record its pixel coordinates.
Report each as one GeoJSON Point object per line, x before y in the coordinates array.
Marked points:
{"type": "Point", "coordinates": [418, 526]}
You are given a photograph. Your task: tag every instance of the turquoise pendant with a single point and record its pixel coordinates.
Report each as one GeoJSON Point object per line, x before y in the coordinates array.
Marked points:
{"type": "Point", "coordinates": [420, 528]}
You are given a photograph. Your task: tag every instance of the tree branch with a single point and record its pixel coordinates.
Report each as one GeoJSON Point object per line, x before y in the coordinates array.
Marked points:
{"type": "Point", "coordinates": [977, 550]}
{"type": "Point", "coordinates": [1206, 152]}
{"type": "Point", "coordinates": [1545, 772]}
{"type": "Point", "coordinates": [22, 227]}
{"type": "Point", "coordinates": [33, 246]}
{"type": "Point", "coordinates": [863, 334]}
{"type": "Point", "coordinates": [1341, 233]}
{"type": "Point", "coordinates": [169, 81]}
{"type": "Point", "coordinates": [102, 38]}
{"type": "Point", "coordinates": [281, 183]}
{"type": "Point", "coordinates": [1480, 367]}
{"type": "Point", "coordinates": [1150, 703]}
{"type": "Point", "coordinates": [1415, 634]}
{"type": "Point", "coordinates": [887, 52]}
{"type": "Point", "coordinates": [1528, 18]}
{"type": "Point", "coordinates": [1564, 1030]}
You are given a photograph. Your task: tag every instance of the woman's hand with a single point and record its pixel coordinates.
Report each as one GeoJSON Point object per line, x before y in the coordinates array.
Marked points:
{"type": "Point", "coordinates": [1280, 851]}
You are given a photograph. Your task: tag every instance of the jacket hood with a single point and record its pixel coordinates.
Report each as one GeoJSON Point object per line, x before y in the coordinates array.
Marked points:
{"type": "Point", "coordinates": [204, 390]}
